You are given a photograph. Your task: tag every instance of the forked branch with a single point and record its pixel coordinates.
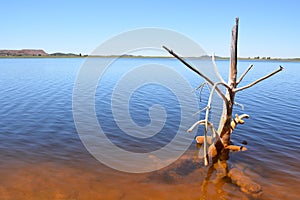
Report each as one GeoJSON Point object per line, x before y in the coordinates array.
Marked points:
{"type": "Point", "coordinates": [257, 81]}
{"type": "Point", "coordinates": [244, 74]}
{"type": "Point", "coordinates": [237, 120]}
{"type": "Point", "coordinates": [201, 88]}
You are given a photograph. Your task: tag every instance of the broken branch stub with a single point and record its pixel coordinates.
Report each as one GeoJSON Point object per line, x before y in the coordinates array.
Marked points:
{"type": "Point", "coordinates": [233, 55]}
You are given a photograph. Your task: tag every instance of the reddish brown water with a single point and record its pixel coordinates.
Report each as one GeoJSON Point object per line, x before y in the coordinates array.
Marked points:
{"type": "Point", "coordinates": [185, 179]}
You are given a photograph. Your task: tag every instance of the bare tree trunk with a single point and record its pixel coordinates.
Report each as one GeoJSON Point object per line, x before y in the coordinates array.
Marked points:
{"type": "Point", "coordinates": [220, 139]}
{"type": "Point", "coordinates": [227, 123]}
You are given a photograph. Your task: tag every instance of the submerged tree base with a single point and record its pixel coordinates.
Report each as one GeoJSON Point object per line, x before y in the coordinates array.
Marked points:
{"type": "Point", "coordinates": [244, 182]}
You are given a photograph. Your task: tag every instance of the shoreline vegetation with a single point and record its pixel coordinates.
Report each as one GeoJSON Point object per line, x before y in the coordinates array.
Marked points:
{"type": "Point", "coordinates": [33, 53]}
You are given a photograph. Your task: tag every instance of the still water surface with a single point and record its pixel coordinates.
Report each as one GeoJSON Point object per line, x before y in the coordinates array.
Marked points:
{"type": "Point", "coordinates": [42, 156]}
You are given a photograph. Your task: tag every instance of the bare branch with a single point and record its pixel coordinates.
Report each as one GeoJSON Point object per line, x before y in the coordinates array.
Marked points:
{"type": "Point", "coordinates": [201, 88]}
{"type": "Point", "coordinates": [205, 152]}
{"type": "Point", "coordinates": [199, 111]}
{"type": "Point", "coordinates": [243, 116]}
{"type": "Point", "coordinates": [201, 122]}
{"type": "Point", "coordinates": [216, 70]}
{"type": "Point", "coordinates": [236, 148]}
{"type": "Point", "coordinates": [240, 105]}
{"type": "Point", "coordinates": [200, 94]}
{"type": "Point", "coordinates": [189, 66]}
{"type": "Point", "coordinates": [194, 125]}
{"type": "Point", "coordinates": [259, 80]}
{"type": "Point", "coordinates": [197, 71]}
{"type": "Point", "coordinates": [244, 74]}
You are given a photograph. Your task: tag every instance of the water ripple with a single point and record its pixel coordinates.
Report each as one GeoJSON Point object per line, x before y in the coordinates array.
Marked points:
{"type": "Point", "coordinates": [37, 124]}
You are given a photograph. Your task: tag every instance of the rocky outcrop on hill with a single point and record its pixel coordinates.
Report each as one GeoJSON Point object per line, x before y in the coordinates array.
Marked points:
{"type": "Point", "coordinates": [23, 52]}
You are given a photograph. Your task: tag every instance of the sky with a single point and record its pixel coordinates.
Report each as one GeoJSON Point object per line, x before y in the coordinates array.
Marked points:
{"type": "Point", "coordinates": [267, 28]}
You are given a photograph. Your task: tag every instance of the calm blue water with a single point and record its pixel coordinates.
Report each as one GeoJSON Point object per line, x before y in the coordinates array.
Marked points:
{"type": "Point", "coordinates": [37, 128]}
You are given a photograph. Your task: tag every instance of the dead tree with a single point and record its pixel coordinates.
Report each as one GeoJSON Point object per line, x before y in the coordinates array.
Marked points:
{"type": "Point", "coordinates": [221, 137]}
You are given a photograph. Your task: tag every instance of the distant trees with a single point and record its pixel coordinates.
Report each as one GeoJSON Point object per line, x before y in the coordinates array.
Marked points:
{"type": "Point", "coordinates": [262, 58]}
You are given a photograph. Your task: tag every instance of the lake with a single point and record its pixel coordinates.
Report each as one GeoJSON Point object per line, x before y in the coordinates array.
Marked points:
{"type": "Point", "coordinates": [43, 156]}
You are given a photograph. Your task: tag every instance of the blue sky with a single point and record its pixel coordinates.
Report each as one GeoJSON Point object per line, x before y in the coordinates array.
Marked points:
{"type": "Point", "coordinates": [267, 28]}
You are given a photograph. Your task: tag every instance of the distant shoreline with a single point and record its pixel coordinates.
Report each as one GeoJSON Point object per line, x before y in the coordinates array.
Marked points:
{"type": "Point", "coordinates": [40, 53]}
{"type": "Point", "coordinates": [133, 56]}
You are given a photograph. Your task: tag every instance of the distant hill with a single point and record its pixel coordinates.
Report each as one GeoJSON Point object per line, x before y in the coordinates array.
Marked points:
{"type": "Point", "coordinates": [64, 54]}
{"type": "Point", "coordinates": [23, 52]}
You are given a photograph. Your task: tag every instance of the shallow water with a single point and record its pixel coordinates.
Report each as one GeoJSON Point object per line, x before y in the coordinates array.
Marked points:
{"type": "Point", "coordinates": [42, 156]}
